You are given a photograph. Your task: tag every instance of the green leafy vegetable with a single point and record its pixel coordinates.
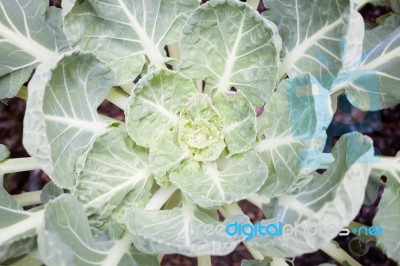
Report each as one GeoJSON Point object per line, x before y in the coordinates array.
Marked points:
{"type": "Point", "coordinates": [61, 120]}
{"type": "Point", "coordinates": [325, 203]}
{"type": "Point", "coordinates": [232, 58]}
{"type": "Point", "coordinates": [30, 34]}
{"type": "Point", "coordinates": [124, 33]}
{"type": "Point", "coordinates": [221, 105]}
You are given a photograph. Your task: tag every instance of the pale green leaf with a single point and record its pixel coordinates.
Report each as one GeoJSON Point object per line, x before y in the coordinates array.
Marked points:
{"type": "Point", "coordinates": [4, 152]}
{"type": "Point", "coordinates": [187, 231]}
{"type": "Point", "coordinates": [375, 35]}
{"type": "Point", "coordinates": [372, 84]}
{"type": "Point", "coordinates": [124, 33]}
{"type": "Point", "coordinates": [115, 175]}
{"type": "Point", "coordinates": [138, 258]}
{"type": "Point", "coordinates": [17, 227]}
{"type": "Point", "coordinates": [28, 36]}
{"type": "Point", "coordinates": [389, 208]}
{"type": "Point", "coordinates": [313, 34]}
{"type": "Point", "coordinates": [323, 206]}
{"type": "Point", "coordinates": [212, 184]}
{"type": "Point", "coordinates": [155, 105]}
{"type": "Point", "coordinates": [17, 249]}
{"type": "Point", "coordinates": [200, 127]}
{"type": "Point", "coordinates": [227, 44]}
{"type": "Point", "coordinates": [66, 239]}
{"type": "Point", "coordinates": [27, 260]}
{"type": "Point", "coordinates": [372, 189]}
{"type": "Point", "coordinates": [238, 121]}
{"type": "Point", "coordinates": [49, 192]}
{"type": "Point", "coordinates": [387, 218]}
{"type": "Point", "coordinates": [292, 132]}
{"type": "Point", "coordinates": [61, 119]}
{"type": "Point", "coordinates": [166, 154]}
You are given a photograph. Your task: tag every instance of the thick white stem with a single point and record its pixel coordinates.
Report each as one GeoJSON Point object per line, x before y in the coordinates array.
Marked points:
{"type": "Point", "coordinates": [28, 198]}
{"type": "Point", "coordinates": [118, 250]}
{"type": "Point", "coordinates": [253, 3]}
{"type": "Point", "coordinates": [204, 260]}
{"type": "Point", "coordinates": [150, 49]}
{"type": "Point", "coordinates": [118, 98]}
{"type": "Point", "coordinates": [18, 165]}
{"type": "Point", "coordinates": [128, 88]}
{"type": "Point", "coordinates": [160, 198]}
{"type": "Point", "coordinates": [279, 262]}
{"type": "Point", "coordinates": [254, 252]}
{"type": "Point", "coordinates": [338, 254]}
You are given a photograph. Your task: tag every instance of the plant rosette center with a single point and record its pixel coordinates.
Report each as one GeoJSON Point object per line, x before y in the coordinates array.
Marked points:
{"type": "Point", "coordinates": [197, 134]}
{"type": "Point", "coordinates": [200, 129]}
{"type": "Point", "coordinates": [189, 135]}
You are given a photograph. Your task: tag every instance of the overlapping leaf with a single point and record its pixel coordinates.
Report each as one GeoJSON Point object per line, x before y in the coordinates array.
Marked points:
{"type": "Point", "coordinates": [61, 119]}
{"type": "Point", "coordinates": [238, 121]}
{"type": "Point", "coordinates": [292, 132]}
{"type": "Point", "coordinates": [212, 184]}
{"type": "Point", "coordinates": [66, 239]}
{"type": "Point", "coordinates": [17, 227]}
{"type": "Point", "coordinates": [325, 205]}
{"type": "Point", "coordinates": [49, 192]}
{"type": "Point", "coordinates": [115, 175]}
{"type": "Point", "coordinates": [155, 105]}
{"type": "Point", "coordinates": [124, 33]}
{"type": "Point", "coordinates": [228, 44]}
{"type": "Point", "coordinates": [389, 208]}
{"type": "Point", "coordinates": [30, 33]}
{"type": "Point", "coordinates": [372, 84]}
{"type": "Point", "coordinates": [191, 232]}
{"type": "Point", "coordinates": [4, 152]}
{"type": "Point", "coordinates": [314, 36]}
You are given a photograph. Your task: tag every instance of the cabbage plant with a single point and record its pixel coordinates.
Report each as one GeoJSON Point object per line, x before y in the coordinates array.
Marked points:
{"type": "Point", "coordinates": [222, 104]}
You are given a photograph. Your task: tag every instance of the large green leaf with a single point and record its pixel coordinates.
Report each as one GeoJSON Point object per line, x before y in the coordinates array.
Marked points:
{"type": "Point", "coordinates": [155, 105]}
{"type": "Point", "coordinates": [124, 33]}
{"type": "Point", "coordinates": [115, 175]}
{"type": "Point", "coordinates": [17, 249]}
{"type": "Point", "coordinates": [29, 35]}
{"type": "Point", "coordinates": [314, 35]}
{"type": "Point", "coordinates": [238, 121]}
{"type": "Point", "coordinates": [320, 209]}
{"type": "Point", "coordinates": [65, 238]}
{"type": "Point", "coordinates": [166, 154]}
{"type": "Point", "coordinates": [389, 208]}
{"type": "Point", "coordinates": [372, 84]}
{"type": "Point", "coordinates": [17, 227]}
{"type": "Point", "coordinates": [292, 132]}
{"type": "Point", "coordinates": [212, 184]}
{"type": "Point", "coordinates": [49, 192]}
{"type": "Point", "coordinates": [228, 44]}
{"type": "Point", "coordinates": [188, 231]}
{"type": "Point", "coordinates": [61, 119]}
